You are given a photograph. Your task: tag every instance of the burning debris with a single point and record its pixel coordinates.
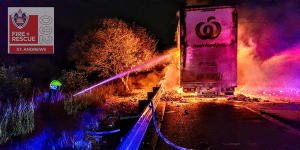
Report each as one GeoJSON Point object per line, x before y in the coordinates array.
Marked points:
{"type": "Point", "coordinates": [171, 96]}
{"type": "Point", "coordinates": [241, 97]}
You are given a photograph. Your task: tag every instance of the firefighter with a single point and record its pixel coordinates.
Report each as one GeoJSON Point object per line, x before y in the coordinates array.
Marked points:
{"type": "Point", "coordinates": [55, 87]}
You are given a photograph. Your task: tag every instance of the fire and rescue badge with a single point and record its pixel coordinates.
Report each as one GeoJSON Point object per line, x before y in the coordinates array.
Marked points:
{"type": "Point", "coordinates": [30, 30]}
{"type": "Point", "coordinates": [19, 19]}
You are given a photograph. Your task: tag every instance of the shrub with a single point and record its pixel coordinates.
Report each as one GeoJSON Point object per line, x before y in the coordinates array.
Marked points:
{"type": "Point", "coordinates": [16, 114]}
{"type": "Point", "coordinates": [73, 81]}
{"type": "Point", "coordinates": [13, 86]}
{"type": "Point", "coordinates": [82, 103]}
{"type": "Point", "coordinates": [78, 104]}
{"type": "Point", "coordinates": [114, 46]}
{"type": "Point", "coordinates": [16, 119]}
{"type": "Point", "coordinates": [89, 100]}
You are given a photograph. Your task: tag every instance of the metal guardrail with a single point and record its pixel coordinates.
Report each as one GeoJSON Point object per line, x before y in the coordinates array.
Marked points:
{"type": "Point", "coordinates": [134, 137]}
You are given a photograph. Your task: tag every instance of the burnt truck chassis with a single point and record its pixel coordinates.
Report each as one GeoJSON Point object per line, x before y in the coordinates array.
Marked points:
{"type": "Point", "coordinates": [211, 84]}
{"type": "Point", "coordinates": [207, 89]}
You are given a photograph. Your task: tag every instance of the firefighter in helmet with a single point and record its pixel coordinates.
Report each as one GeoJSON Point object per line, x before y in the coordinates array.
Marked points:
{"type": "Point", "coordinates": [55, 87]}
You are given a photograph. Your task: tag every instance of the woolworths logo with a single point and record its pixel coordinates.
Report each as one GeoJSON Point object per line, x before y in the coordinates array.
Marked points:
{"type": "Point", "coordinates": [208, 30]}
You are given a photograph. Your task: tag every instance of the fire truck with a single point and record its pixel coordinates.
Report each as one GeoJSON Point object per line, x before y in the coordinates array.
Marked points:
{"type": "Point", "coordinates": [208, 50]}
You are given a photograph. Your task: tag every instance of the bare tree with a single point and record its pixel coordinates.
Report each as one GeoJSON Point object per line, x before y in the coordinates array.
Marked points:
{"type": "Point", "coordinates": [113, 47]}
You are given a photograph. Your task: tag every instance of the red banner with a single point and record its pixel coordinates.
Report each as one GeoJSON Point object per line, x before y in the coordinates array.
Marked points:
{"type": "Point", "coordinates": [31, 49]}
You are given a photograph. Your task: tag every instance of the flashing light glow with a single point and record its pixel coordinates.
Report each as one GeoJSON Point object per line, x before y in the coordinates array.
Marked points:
{"type": "Point", "coordinates": [53, 87]}
{"type": "Point", "coordinates": [148, 63]}
{"type": "Point", "coordinates": [50, 138]}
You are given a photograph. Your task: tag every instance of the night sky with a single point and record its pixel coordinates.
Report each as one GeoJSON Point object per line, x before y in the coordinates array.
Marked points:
{"type": "Point", "coordinates": [77, 16]}
{"type": "Point", "coordinates": [158, 16]}
{"type": "Point", "coordinates": [273, 25]}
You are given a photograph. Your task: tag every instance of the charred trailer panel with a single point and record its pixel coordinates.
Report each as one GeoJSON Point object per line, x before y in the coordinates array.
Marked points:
{"type": "Point", "coordinates": [208, 50]}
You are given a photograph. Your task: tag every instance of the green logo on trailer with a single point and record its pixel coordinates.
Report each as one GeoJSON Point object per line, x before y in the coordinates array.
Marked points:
{"type": "Point", "coordinates": [210, 30]}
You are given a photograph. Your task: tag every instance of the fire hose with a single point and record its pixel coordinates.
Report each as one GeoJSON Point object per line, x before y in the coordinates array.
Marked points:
{"type": "Point", "coordinates": [160, 134]}
{"type": "Point", "coordinates": [104, 132]}
{"type": "Point", "coordinates": [156, 128]}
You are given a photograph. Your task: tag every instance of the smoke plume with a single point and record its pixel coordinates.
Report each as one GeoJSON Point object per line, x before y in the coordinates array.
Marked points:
{"type": "Point", "coordinates": [269, 49]}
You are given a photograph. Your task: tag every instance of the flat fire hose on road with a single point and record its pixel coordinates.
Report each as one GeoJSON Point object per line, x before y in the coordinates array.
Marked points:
{"type": "Point", "coordinates": [161, 135]}
{"type": "Point", "coordinates": [134, 137]}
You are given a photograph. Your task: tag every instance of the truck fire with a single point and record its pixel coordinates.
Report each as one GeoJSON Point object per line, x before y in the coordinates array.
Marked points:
{"type": "Point", "coordinates": [208, 50]}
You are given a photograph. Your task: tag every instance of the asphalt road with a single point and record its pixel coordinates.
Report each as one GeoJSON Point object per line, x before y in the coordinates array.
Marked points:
{"type": "Point", "coordinates": [221, 126]}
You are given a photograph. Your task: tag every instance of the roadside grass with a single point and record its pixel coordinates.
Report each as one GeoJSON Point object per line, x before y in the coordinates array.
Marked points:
{"type": "Point", "coordinates": [22, 119]}
{"type": "Point", "coordinates": [94, 99]}
{"type": "Point", "coordinates": [16, 119]}
{"type": "Point", "coordinates": [73, 105]}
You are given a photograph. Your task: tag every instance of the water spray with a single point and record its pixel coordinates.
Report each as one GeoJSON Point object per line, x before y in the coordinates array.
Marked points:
{"type": "Point", "coordinates": [149, 63]}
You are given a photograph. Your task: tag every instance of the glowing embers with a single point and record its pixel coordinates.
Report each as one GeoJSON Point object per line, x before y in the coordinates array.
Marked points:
{"type": "Point", "coordinates": [187, 92]}
{"type": "Point", "coordinates": [271, 93]}
{"type": "Point", "coordinates": [179, 90]}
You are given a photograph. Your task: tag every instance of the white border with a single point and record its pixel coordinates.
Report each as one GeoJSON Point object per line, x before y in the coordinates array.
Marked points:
{"type": "Point", "coordinates": [38, 13]}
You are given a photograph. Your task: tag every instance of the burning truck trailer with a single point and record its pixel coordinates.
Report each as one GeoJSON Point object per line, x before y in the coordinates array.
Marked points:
{"type": "Point", "coordinates": [208, 50]}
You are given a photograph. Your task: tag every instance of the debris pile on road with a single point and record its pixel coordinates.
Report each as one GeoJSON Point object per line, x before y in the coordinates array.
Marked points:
{"type": "Point", "coordinates": [171, 95]}
{"type": "Point", "coordinates": [241, 97]}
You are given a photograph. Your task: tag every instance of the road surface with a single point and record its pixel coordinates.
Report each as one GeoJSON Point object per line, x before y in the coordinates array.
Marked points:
{"type": "Point", "coordinates": [222, 126]}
